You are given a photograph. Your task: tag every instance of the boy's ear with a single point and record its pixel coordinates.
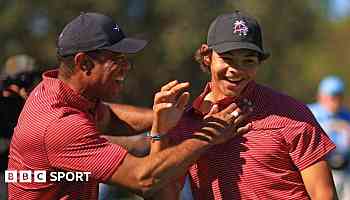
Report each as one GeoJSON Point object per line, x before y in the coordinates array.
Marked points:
{"type": "Point", "coordinates": [206, 53]}
{"type": "Point", "coordinates": [207, 60]}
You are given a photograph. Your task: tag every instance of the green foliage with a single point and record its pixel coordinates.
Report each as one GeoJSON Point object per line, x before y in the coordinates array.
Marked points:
{"type": "Point", "coordinates": [304, 45]}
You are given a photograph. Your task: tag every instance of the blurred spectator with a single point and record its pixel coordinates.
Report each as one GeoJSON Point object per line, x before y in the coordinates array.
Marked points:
{"type": "Point", "coordinates": [18, 77]}
{"type": "Point", "coordinates": [335, 120]}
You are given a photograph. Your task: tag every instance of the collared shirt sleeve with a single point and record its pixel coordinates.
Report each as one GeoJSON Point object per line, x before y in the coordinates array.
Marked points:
{"type": "Point", "coordinates": [308, 143]}
{"type": "Point", "coordinates": [74, 144]}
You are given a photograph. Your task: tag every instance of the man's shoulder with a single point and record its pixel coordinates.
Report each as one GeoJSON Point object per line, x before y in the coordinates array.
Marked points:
{"type": "Point", "coordinates": [279, 100]}
{"type": "Point", "coordinates": [70, 119]}
{"type": "Point", "coordinates": [282, 108]}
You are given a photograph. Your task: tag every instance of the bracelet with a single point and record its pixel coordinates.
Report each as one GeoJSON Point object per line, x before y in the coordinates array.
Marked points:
{"type": "Point", "coordinates": [156, 137]}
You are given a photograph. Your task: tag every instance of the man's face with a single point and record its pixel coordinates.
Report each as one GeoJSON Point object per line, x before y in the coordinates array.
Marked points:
{"type": "Point", "coordinates": [232, 71]}
{"type": "Point", "coordinates": [331, 102]}
{"type": "Point", "coordinates": [108, 74]}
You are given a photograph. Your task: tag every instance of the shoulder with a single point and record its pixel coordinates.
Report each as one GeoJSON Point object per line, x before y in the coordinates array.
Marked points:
{"type": "Point", "coordinates": [283, 105]}
{"type": "Point", "coordinates": [71, 125]}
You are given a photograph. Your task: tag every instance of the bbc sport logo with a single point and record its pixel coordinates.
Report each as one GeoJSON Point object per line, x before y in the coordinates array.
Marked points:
{"type": "Point", "coordinates": [40, 176]}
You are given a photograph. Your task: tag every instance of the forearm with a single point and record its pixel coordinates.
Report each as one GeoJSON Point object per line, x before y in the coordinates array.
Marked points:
{"type": "Point", "coordinates": [138, 145]}
{"type": "Point", "coordinates": [157, 146]}
{"type": "Point", "coordinates": [172, 190]}
{"type": "Point", "coordinates": [318, 181]}
{"type": "Point", "coordinates": [129, 120]}
{"type": "Point", "coordinates": [165, 167]}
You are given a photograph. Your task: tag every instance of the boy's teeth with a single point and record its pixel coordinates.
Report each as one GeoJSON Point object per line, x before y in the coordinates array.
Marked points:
{"type": "Point", "coordinates": [120, 79]}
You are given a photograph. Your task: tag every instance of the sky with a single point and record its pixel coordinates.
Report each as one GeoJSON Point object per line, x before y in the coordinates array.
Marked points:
{"type": "Point", "coordinates": [339, 8]}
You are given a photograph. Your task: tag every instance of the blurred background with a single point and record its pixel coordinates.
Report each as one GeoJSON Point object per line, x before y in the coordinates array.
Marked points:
{"type": "Point", "coordinates": [307, 39]}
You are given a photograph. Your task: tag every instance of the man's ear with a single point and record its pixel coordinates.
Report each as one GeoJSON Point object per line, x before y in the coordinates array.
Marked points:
{"type": "Point", "coordinates": [83, 62]}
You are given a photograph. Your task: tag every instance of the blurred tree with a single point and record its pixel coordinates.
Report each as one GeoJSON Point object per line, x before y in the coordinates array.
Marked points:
{"type": "Point", "coordinates": [303, 43]}
{"type": "Point", "coordinates": [294, 32]}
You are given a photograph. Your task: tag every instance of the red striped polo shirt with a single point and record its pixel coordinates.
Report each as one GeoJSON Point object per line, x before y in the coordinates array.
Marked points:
{"type": "Point", "coordinates": [265, 163]}
{"type": "Point", "coordinates": [56, 132]}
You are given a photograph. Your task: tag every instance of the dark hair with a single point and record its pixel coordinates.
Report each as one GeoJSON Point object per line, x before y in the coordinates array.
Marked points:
{"type": "Point", "coordinates": [201, 52]}
{"type": "Point", "coordinates": [66, 65]}
{"type": "Point", "coordinates": [199, 57]}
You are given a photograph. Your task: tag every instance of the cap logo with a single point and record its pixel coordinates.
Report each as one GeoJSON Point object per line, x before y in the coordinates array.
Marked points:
{"type": "Point", "coordinates": [240, 28]}
{"type": "Point", "coordinates": [116, 27]}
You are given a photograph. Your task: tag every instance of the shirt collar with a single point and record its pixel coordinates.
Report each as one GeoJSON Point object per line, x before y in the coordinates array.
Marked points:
{"type": "Point", "coordinates": [246, 94]}
{"type": "Point", "coordinates": [67, 94]}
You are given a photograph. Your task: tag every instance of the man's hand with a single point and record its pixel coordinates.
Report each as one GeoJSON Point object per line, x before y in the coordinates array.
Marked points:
{"type": "Point", "coordinates": [219, 127]}
{"type": "Point", "coordinates": [169, 105]}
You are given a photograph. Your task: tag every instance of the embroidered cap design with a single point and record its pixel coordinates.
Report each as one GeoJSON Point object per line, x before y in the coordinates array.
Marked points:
{"type": "Point", "coordinates": [116, 27]}
{"type": "Point", "coordinates": [240, 28]}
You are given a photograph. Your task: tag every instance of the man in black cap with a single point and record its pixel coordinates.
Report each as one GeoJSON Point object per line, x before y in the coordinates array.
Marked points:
{"type": "Point", "coordinates": [282, 156]}
{"type": "Point", "coordinates": [59, 130]}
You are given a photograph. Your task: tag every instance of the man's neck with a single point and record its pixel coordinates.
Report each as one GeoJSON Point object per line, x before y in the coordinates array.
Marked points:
{"type": "Point", "coordinates": [76, 84]}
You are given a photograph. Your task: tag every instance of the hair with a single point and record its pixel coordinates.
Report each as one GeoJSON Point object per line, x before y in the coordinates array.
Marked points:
{"type": "Point", "coordinates": [66, 66]}
{"type": "Point", "coordinates": [67, 63]}
{"type": "Point", "coordinates": [201, 52]}
{"type": "Point", "coordinates": [199, 57]}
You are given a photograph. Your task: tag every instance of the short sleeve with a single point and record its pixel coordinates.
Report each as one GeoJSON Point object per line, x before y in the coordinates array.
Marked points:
{"type": "Point", "coordinates": [308, 143]}
{"type": "Point", "coordinates": [74, 144]}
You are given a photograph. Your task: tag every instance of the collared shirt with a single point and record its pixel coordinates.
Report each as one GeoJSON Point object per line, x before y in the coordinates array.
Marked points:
{"type": "Point", "coordinates": [56, 132]}
{"type": "Point", "coordinates": [264, 163]}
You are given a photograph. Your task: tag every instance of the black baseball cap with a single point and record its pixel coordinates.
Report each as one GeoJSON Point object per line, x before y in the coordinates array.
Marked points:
{"type": "Point", "coordinates": [236, 31]}
{"type": "Point", "coordinates": [95, 31]}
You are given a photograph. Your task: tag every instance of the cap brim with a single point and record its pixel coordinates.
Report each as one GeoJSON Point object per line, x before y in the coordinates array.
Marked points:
{"type": "Point", "coordinates": [228, 46]}
{"type": "Point", "coordinates": [127, 45]}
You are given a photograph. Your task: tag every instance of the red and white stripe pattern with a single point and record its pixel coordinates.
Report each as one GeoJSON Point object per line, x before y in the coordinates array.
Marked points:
{"type": "Point", "coordinates": [56, 131]}
{"type": "Point", "coordinates": [265, 163]}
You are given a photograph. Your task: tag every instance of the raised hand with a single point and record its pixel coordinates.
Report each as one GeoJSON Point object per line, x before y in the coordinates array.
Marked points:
{"type": "Point", "coordinates": [169, 105]}
{"type": "Point", "coordinates": [219, 127]}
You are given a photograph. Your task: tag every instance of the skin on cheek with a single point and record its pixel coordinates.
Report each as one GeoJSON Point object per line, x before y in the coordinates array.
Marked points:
{"type": "Point", "coordinates": [223, 88]}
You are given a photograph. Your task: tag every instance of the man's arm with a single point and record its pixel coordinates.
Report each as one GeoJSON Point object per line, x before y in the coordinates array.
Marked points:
{"type": "Point", "coordinates": [123, 120]}
{"type": "Point", "coordinates": [148, 175]}
{"type": "Point", "coordinates": [138, 145]}
{"type": "Point", "coordinates": [318, 181]}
